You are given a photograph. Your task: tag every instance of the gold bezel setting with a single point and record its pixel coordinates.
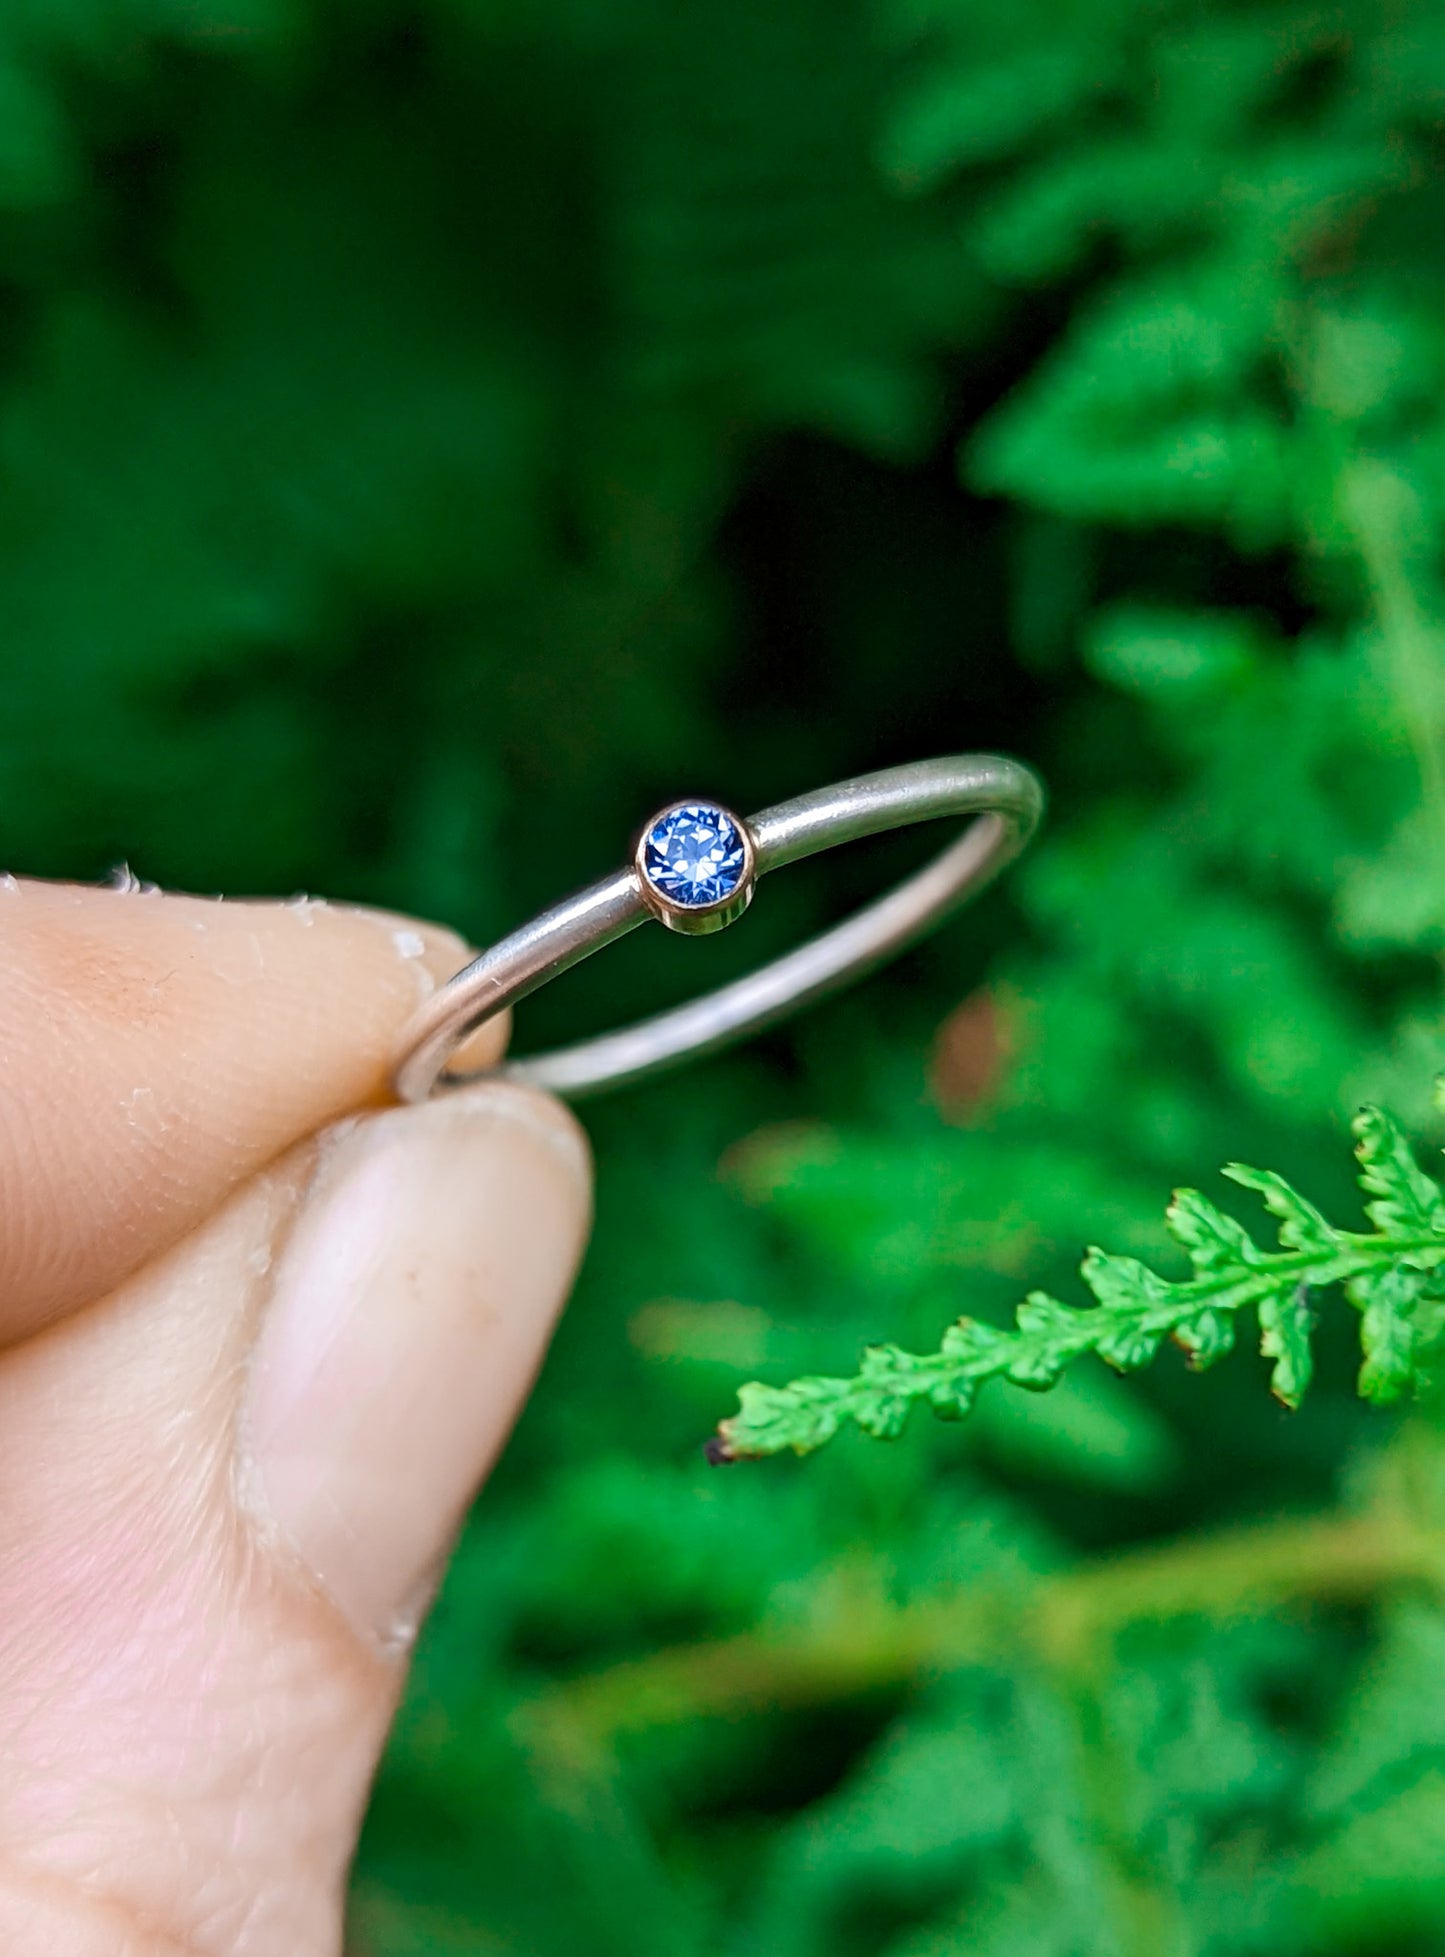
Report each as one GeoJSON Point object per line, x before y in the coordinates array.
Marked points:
{"type": "Point", "coordinates": [697, 920]}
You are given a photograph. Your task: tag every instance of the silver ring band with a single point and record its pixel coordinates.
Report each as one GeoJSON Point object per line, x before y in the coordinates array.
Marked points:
{"type": "Point", "coordinates": [1005, 798]}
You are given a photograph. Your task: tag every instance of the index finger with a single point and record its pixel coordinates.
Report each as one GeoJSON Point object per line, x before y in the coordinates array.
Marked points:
{"type": "Point", "coordinates": [155, 1050]}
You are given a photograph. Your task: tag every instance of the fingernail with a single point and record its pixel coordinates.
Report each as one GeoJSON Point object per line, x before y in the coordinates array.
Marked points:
{"type": "Point", "coordinates": [410, 1310]}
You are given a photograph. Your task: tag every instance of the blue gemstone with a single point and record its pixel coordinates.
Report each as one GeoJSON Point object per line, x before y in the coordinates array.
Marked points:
{"type": "Point", "coordinates": [694, 855]}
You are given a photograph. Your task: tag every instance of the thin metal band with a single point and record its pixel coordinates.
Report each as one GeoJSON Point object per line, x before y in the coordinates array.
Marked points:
{"type": "Point", "coordinates": [1005, 798]}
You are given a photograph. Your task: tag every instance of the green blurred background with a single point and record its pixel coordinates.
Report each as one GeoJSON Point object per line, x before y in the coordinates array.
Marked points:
{"type": "Point", "coordinates": [432, 435]}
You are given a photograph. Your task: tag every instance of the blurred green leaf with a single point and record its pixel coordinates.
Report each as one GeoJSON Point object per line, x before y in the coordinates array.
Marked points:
{"type": "Point", "coordinates": [432, 436]}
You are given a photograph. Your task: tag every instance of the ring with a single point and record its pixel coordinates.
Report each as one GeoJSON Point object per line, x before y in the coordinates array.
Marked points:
{"type": "Point", "coordinates": [694, 869]}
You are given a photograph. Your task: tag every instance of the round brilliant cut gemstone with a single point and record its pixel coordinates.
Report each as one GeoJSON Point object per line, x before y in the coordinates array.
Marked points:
{"type": "Point", "coordinates": [694, 855]}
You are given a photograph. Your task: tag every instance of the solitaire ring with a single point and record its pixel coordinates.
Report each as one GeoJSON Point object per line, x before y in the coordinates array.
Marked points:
{"type": "Point", "coordinates": [694, 870]}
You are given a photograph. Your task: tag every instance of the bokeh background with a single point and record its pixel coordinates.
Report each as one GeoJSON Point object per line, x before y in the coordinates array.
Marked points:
{"type": "Point", "coordinates": [433, 434]}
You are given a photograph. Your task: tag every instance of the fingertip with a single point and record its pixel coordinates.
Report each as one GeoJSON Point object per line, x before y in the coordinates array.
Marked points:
{"type": "Point", "coordinates": [527, 1111]}
{"type": "Point", "coordinates": [431, 952]}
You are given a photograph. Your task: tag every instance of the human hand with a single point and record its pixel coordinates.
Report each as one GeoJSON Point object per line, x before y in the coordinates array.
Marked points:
{"type": "Point", "coordinates": [257, 1349]}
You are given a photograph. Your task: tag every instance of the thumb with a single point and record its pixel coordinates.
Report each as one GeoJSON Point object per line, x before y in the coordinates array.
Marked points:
{"type": "Point", "coordinates": [229, 1486]}
{"type": "Point", "coordinates": [407, 1317]}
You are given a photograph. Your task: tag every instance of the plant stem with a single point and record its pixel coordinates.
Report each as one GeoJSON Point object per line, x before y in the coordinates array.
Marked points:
{"type": "Point", "coordinates": [860, 1642]}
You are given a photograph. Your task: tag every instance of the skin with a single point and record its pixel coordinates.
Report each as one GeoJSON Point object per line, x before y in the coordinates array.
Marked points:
{"type": "Point", "coordinates": [261, 1336]}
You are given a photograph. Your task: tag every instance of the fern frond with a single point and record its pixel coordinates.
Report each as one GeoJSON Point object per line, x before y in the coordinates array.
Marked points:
{"type": "Point", "coordinates": [1394, 1275]}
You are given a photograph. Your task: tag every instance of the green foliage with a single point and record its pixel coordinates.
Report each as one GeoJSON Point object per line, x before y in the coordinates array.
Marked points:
{"type": "Point", "coordinates": [1391, 1276]}
{"type": "Point", "coordinates": [430, 436]}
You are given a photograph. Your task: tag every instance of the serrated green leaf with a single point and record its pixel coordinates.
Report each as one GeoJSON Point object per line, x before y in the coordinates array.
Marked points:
{"type": "Point", "coordinates": [1121, 1283]}
{"type": "Point", "coordinates": [964, 1343]}
{"type": "Point", "coordinates": [1043, 1317]}
{"type": "Point", "coordinates": [952, 1399]}
{"type": "Point", "coordinates": [1050, 1334]}
{"type": "Point", "coordinates": [1404, 1201]}
{"type": "Point", "coordinates": [1301, 1227]}
{"type": "Point", "coordinates": [892, 1378]}
{"type": "Point", "coordinates": [967, 1339]}
{"type": "Point", "coordinates": [1215, 1242]}
{"type": "Point", "coordinates": [885, 1365]}
{"type": "Point", "coordinates": [800, 1416]}
{"type": "Point", "coordinates": [1205, 1337]}
{"type": "Point", "coordinates": [883, 1415]}
{"type": "Point", "coordinates": [1127, 1346]}
{"type": "Point", "coordinates": [1285, 1322]}
{"type": "Point", "coordinates": [1390, 1330]}
{"type": "Point", "coordinates": [1035, 1369]}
